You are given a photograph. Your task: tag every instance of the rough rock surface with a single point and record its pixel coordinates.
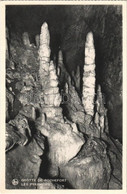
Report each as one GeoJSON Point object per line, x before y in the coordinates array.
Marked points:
{"type": "Point", "coordinates": [64, 141]}
{"type": "Point", "coordinates": [23, 163]}
{"type": "Point", "coordinates": [90, 169]}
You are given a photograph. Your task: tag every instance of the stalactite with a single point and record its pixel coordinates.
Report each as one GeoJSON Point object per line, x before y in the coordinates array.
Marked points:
{"type": "Point", "coordinates": [89, 75]}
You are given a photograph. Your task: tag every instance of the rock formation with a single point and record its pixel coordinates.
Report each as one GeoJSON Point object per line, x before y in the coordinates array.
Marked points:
{"type": "Point", "coordinates": [48, 77]}
{"type": "Point", "coordinates": [52, 131]}
{"type": "Point", "coordinates": [89, 76]}
{"type": "Point", "coordinates": [17, 132]}
{"type": "Point", "coordinates": [23, 159]}
{"type": "Point", "coordinates": [64, 143]}
{"type": "Point", "coordinates": [74, 105]}
{"type": "Point", "coordinates": [70, 98]}
{"type": "Point", "coordinates": [61, 71]}
{"type": "Point", "coordinates": [91, 167]}
{"type": "Point", "coordinates": [100, 118]}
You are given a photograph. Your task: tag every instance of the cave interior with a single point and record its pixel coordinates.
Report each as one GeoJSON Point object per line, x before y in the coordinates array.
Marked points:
{"type": "Point", "coordinates": [64, 96]}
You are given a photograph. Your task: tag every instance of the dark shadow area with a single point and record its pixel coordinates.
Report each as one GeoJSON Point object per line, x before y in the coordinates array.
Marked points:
{"type": "Point", "coordinates": [44, 168]}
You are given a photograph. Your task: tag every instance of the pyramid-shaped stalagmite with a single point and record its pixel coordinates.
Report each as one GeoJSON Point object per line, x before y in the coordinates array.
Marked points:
{"type": "Point", "coordinates": [93, 102]}
{"type": "Point", "coordinates": [48, 78]}
{"type": "Point", "coordinates": [63, 137]}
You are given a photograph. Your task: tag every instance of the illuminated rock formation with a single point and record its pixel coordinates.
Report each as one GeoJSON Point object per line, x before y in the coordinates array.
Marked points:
{"type": "Point", "coordinates": [64, 143]}
{"type": "Point", "coordinates": [44, 55]}
{"type": "Point", "coordinates": [48, 77]}
{"type": "Point", "coordinates": [44, 97]}
{"type": "Point", "coordinates": [89, 76]}
{"type": "Point", "coordinates": [52, 98]}
{"type": "Point", "coordinates": [64, 139]}
{"type": "Point", "coordinates": [47, 72]}
{"type": "Point", "coordinates": [44, 44]}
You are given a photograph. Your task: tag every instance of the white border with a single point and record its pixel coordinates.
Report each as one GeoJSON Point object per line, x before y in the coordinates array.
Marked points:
{"type": "Point", "coordinates": [2, 92]}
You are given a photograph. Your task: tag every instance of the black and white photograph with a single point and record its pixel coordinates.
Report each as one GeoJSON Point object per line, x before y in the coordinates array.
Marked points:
{"type": "Point", "coordinates": [64, 96]}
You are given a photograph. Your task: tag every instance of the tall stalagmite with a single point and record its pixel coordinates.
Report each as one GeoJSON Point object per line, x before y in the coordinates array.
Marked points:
{"type": "Point", "coordinates": [89, 75]}
{"type": "Point", "coordinates": [48, 78]}
{"type": "Point", "coordinates": [62, 135]}
{"type": "Point", "coordinates": [44, 54]}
